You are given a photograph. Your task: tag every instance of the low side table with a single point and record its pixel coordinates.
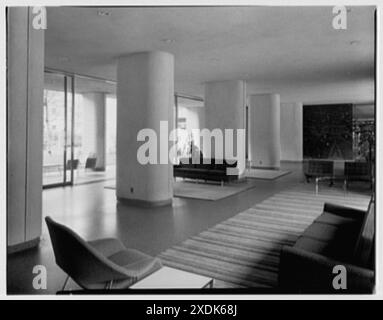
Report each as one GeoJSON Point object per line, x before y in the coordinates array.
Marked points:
{"type": "Point", "coordinates": [170, 278]}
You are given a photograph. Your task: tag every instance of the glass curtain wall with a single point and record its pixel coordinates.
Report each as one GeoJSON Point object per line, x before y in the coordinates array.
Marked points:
{"type": "Point", "coordinates": [95, 127]}
{"type": "Point", "coordinates": [57, 137]}
{"type": "Point", "coordinates": [79, 130]}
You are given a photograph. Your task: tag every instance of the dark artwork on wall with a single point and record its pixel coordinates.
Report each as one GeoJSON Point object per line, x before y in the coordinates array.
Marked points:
{"type": "Point", "coordinates": [327, 131]}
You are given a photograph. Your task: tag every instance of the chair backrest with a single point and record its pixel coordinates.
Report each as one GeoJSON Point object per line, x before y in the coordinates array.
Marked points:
{"type": "Point", "coordinates": [356, 169]}
{"type": "Point", "coordinates": [90, 163]}
{"type": "Point", "coordinates": [78, 259]}
{"type": "Point", "coordinates": [321, 167]}
{"type": "Point", "coordinates": [72, 164]}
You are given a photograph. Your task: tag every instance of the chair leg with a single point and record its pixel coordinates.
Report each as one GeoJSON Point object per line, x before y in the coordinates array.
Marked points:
{"type": "Point", "coordinates": [65, 283]}
{"type": "Point", "coordinates": [109, 285]}
{"type": "Point", "coordinates": [316, 185]}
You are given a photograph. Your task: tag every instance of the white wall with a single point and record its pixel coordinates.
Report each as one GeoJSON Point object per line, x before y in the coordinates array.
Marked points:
{"type": "Point", "coordinates": [25, 128]}
{"type": "Point", "coordinates": [94, 127]}
{"type": "Point", "coordinates": [264, 133]}
{"type": "Point", "coordinates": [291, 125]}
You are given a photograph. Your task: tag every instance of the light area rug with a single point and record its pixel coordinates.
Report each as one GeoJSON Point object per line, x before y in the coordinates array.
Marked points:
{"type": "Point", "coordinates": [207, 191]}
{"type": "Point", "coordinates": [243, 251]}
{"type": "Point", "coordinates": [265, 174]}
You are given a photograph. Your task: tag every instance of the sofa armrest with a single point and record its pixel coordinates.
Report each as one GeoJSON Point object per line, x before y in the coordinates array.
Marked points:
{"type": "Point", "coordinates": [304, 271]}
{"type": "Point", "coordinates": [343, 211]}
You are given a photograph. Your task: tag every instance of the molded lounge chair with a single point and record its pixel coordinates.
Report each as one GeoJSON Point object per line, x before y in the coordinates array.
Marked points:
{"type": "Point", "coordinates": [99, 264]}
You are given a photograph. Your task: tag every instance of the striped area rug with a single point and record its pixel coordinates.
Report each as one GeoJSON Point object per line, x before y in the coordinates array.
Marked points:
{"type": "Point", "coordinates": [243, 251]}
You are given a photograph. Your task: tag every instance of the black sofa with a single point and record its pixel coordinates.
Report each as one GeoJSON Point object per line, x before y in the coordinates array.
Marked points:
{"type": "Point", "coordinates": [216, 170]}
{"type": "Point", "coordinates": [339, 236]}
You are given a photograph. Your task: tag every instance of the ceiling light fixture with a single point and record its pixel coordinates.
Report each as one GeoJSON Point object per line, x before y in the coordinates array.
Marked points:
{"type": "Point", "coordinates": [354, 42]}
{"type": "Point", "coordinates": [63, 59]}
{"type": "Point", "coordinates": [168, 41]}
{"type": "Point", "coordinates": [103, 13]}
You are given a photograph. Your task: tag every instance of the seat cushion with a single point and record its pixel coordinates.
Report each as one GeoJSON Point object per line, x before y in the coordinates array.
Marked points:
{"type": "Point", "coordinates": [217, 172]}
{"type": "Point", "coordinates": [202, 166]}
{"type": "Point", "coordinates": [341, 238]}
{"type": "Point", "coordinates": [128, 256]}
{"type": "Point", "coordinates": [140, 269]}
{"type": "Point", "coordinates": [107, 246]}
{"type": "Point", "coordinates": [321, 231]}
{"type": "Point", "coordinates": [333, 219]}
{"type": "Point", "coordinates": [313, 245]}
{"type": "Point", "coordinates": [331, 249]}
{"type": "Point", "coordinates": [184, 169]}
{"type": "Point", "coordinates": [138, 264]}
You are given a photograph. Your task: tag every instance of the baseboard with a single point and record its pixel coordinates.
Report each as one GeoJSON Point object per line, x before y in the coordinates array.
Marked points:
{"type": "Point", "coordinates": [292, 161]}
{"type": "Point", "coordinates": [265, 168]}
{"type": "Point", "coordinates": [23, 246]}
{"type": "Point", "coordinates": [144, 203]}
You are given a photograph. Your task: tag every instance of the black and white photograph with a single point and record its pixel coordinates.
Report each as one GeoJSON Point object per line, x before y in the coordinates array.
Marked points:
{"type": "Point", "coordinates": [156, 149]}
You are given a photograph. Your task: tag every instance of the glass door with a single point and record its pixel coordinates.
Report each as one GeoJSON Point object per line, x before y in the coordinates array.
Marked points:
{"type": "Point", "coordinates": [58, 130]}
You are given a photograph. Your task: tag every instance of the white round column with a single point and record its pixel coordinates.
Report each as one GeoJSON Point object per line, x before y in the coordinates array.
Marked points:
{"type": "Point", "coordinates": [145, 97]}
{"type": "Point", "coordinates": [225, 109]}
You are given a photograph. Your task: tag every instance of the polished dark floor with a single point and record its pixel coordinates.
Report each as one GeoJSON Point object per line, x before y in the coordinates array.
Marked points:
{"type": "Point", "coordinates": [93, 212]}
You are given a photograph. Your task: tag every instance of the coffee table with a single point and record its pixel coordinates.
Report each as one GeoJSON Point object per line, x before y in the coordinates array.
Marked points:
{"type": "Point", "coordinates": [170, 278]}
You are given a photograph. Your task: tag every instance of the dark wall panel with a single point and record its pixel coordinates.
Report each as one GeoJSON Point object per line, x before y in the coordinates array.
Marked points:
{"type": "Point", "coordinates": [327, 131]}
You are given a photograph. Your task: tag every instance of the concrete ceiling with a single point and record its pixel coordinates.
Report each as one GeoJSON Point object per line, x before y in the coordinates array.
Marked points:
{"type": "Point", "coordinates": [263, 45]}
